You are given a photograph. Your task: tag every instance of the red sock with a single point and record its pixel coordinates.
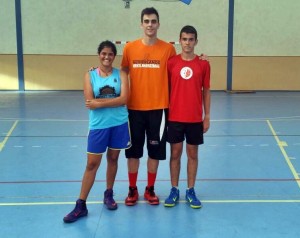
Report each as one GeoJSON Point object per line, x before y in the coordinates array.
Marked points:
{"type": "Point", "coordinates": [132, 179]}
{"type": "Point", "coordinates": [151, 179]}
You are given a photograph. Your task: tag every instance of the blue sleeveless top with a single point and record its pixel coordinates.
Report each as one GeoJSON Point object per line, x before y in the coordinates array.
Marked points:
{"type": "Point", "coordinates": [107, 87]}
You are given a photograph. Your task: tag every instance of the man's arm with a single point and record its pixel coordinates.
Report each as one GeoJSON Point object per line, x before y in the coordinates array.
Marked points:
{"type": "Point", "coordinates": [206, 108]}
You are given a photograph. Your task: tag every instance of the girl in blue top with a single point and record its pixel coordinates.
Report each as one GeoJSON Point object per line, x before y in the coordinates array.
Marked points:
{"type": "Point", "coordinates": [105, 96]}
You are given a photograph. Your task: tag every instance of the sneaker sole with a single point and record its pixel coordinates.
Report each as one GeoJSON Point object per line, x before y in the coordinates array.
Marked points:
{"type": "Point", "coordinates": [172, 204]}
{"type": "Point", "coordinates": [130, 203]}
{"type": "Point", "coordinates": [152, 203]}
{"type": "Point", "coordinates": [195, 207]}
{"type": "Point", "coordinates": [169, 205]}
{"type": "Point", "coordinates": [111, 208]}
{"type": "Point", "coordinates": [71, 221]}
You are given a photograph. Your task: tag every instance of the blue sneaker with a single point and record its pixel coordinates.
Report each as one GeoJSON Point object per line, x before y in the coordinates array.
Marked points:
{"type": "Point", "coordinates": [191, 198]}
{"type": "Point", "coordinates": [109, 200]}
{"type": "Point", "coordinates": [173, 198]}
{"type": "Point", "coordinates": [80, 210]}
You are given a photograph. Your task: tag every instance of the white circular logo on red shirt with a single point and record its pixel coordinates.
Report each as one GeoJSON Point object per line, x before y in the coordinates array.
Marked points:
{"type": "Point", "coordinates": [186, 72]}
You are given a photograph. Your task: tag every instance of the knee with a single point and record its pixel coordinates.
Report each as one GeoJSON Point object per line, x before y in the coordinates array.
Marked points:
{"type": "Point", "coordinates": [193, 157]}
{"type": "Point", "coordinates": [175, 160]}
{"type": "Point", "coordinates": [92, 166]}
{"type": "Point", "coordinates": [176, 155]}
{"type": "Point", "coordinates": [112, 160]}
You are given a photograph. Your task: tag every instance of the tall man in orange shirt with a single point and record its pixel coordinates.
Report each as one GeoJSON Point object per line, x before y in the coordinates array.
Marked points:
{"type": "Point", "coordinates": [145, 62]}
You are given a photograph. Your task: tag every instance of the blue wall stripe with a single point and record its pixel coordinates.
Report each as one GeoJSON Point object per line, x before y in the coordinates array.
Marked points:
{"type": "Point", "coordinates": [230, 44]}
{"type": "Point", "coordinates": [19, 45]}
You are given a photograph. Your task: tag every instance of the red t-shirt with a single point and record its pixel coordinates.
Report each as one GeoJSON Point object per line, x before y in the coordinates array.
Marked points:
{"type": "Point", "coordinates": [187, 80]}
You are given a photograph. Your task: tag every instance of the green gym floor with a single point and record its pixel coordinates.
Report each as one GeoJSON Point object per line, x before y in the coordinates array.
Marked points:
{"type": "Point", "coordinates": [248, 176]}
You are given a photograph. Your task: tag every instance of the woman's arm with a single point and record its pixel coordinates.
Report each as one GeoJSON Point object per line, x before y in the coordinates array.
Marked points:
{"type": "Point", "coordinates": [87, 88]}
{"type": "Point", "coordinates": [111, 102]}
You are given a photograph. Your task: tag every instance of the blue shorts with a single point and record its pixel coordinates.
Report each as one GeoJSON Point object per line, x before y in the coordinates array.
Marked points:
{"type": "Point", "coordinates": [115, 138]}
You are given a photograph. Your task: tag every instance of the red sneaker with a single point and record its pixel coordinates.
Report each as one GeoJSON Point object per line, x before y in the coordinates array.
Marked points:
{"type": "Point", "coordinates": [133, 196]}
{"type": "Point", "coordinates": [150, 196]}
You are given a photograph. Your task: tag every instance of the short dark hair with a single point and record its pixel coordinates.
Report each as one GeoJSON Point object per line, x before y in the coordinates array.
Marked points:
{"type": "Point", "coordinates": [148, 11]}
{"type": "Point", "coordinates": [190, 30]}
{"type": "Point", "coordinates": [107, 44]}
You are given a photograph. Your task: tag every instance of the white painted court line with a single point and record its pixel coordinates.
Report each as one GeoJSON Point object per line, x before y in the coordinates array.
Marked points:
{"type": "Point", "coordinates": [145, 202]}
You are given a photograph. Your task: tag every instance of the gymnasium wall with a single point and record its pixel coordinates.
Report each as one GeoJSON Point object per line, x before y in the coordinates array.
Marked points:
{"type": "Point", "coordinates": [266, 45]}
{"type": "Point", "coordinates": [60, 39]}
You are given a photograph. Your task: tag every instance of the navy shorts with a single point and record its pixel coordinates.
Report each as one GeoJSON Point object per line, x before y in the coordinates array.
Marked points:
{"type": "Point", "coordinates": [115, 138]}
{"type": "Point", "coordinates": [151, 125]}
{"type": "Point", "coordinates": [179, 131]}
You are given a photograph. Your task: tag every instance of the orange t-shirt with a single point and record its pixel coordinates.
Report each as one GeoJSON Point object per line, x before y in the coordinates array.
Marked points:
{"type": "Point", "coordinates": [148, 74]}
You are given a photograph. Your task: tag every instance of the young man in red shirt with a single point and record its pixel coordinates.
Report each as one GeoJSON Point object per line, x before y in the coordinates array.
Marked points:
{"type": "Point", "coordinates": [189, 112]}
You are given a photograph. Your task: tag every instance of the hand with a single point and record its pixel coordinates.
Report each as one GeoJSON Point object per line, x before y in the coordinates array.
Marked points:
{"type": "Point", "coordinates": [206, 124]}
{"type": "Point", "coordinates": [91, 104]}
{"type": "Point", "coordinates": [92, 68]}
{"type": "Point", "coordinates": [204, 57]}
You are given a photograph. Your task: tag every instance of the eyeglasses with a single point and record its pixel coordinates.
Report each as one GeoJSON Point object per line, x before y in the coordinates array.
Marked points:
{"type": "Point", "coordinates": [147, 21]}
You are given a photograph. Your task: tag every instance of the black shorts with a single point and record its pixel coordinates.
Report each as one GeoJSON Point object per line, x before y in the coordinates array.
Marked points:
{"type": "Point", "coordinates": [151, 125]}
{"type": "Point", "coordinates": [178, 131]}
